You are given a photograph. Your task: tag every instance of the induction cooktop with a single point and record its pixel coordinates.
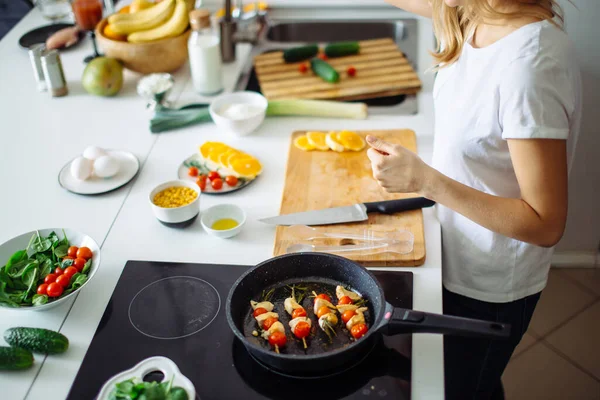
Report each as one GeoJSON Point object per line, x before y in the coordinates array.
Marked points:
{"type": "Point", "coordinates": [177, 310]}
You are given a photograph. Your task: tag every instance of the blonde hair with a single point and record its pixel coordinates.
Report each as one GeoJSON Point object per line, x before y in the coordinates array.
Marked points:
{"type": "Point", "coordinates": [453, 25]}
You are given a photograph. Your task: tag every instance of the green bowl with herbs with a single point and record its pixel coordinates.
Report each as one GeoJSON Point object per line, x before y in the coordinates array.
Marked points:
{"type": "Point", "coordinates": [41, 269]}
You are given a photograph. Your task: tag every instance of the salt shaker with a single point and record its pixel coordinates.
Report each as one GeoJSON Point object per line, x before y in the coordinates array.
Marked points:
{"type": "Point", "coordinates": [53, 74]}
{"type": "Point", "coordinates": [35, 55]}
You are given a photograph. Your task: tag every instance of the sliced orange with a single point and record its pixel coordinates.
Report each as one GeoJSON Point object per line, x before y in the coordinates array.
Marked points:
{"type": "Point", "coordinates": [215, 153]}
{"type": "Point", "coordinates": [236, 157]}
{"type": "Point", "coordinates": [247, 168]}
{"type": "Point", "coordinates": [317, 140]}
{"type": "Point", "coordinates": [302, 143]}
{"type": "Point", "coordinates": [351, 140]}
{"type": "Point", "coordinates": [333, 142]}
{"type": "Point", "coordinates": [206, 148]}
{"type": "Point", "coordinates": [225, 155]}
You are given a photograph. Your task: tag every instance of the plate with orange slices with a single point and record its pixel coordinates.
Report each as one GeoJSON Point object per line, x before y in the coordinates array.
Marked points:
{"type": "Point", "coordinates": [219, 169]}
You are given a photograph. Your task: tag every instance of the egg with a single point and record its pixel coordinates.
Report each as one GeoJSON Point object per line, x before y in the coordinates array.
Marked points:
{"type": "Point", "coordinates": [94, 152]}
{"type": "Point", "coordinates": [106, 167]}
{"type": "Point", "coordinates": [81, 168]}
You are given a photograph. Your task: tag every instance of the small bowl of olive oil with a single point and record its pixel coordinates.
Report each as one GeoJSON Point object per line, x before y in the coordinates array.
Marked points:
{"type": "Point", "coordinates": [224, 220]}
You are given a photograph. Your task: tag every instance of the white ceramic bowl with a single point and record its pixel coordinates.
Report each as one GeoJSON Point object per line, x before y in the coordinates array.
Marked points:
{"type": "Point", "coordinates": [242, 126]}
{"type": "Point", "coordinates": [215, 213]}
{"type": "Point", "coordinates": [178, 217]}
{"type": "Point", "coordinates": [76, 238]}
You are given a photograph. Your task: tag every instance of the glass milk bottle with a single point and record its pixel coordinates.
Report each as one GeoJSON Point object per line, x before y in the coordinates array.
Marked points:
{"type": "Point", "coordinates": [205, 54]}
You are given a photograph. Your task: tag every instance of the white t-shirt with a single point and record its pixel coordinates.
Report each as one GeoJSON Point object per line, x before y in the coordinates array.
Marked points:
{"type": "Point", "coordinates": [526, 85]}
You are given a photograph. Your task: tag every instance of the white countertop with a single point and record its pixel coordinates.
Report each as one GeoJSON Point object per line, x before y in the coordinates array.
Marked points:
{"type": "Point", "coordinates": [40, 134]}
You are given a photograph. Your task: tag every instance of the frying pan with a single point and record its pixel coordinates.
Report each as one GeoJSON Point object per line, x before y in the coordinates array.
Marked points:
{"type": "Point", "coordinates": [329, 270]}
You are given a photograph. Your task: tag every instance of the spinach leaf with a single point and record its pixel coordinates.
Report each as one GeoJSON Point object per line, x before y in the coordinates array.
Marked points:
{"type": "Point", "coordinates": [153, 392]}
{"type": "Point", "coordinates": [87, 266]}
{"type": "Point", "coordinates": [125, 386]}
{"type": "Point", "coordinates": [53, 237]}
{"type": "Point", "coordinates": [41, 245]}
{"type": "Point", "coordinates": [39, 299]}
{"type": "Point", "coordinates": [78, 280]}
{"type": "Point", "coordinates": [17, 296]}
{"type": "Point", "coordinates": [61, 250]}
{"type": "Point", "coordinates": [177, 393]}
{"type": "Point", "coordinates": [5, 278]}
{"type": "Point", "coordinates": [20, 255]}
{"type": "Point", "coordinates": [30, 276]}
{"type": "Point", "coordinates": [66, 263]}
{"type": "Point", "coordinates": [4, 296]}
{"type": "Point", "coordinates": [45, 268]}
{"type": "Point", "coordinates": [16, 269]}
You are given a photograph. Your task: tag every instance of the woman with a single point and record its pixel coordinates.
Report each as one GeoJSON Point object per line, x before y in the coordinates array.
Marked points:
{"type": "Point", "coordinates": [507, 98]}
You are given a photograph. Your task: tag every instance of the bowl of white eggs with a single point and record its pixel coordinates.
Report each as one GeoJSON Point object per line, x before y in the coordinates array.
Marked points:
{"type": "Point", "coordinates": [98, 170]}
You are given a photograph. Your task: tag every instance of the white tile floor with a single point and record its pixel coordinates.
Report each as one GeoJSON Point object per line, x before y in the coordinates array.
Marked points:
{"type": "Point", "coordinates": [559, 356]}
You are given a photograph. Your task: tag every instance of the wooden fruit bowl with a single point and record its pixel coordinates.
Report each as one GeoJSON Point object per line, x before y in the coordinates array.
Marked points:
{"type": "Point", "coordinates": [164, 55]}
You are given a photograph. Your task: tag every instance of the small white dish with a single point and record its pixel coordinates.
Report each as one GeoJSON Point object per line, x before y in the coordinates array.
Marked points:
{"type": "Point", "coordinates": [215, 213]}
{"type": "Point", "coordinates": [158, 363]}
{"type": "Point", "coordinates": [243, 126]}
{"type": "Point", "coordinates": [76, 238]}
{"type": "Point", "coordinates": [178, 217]}
{"type": "Point", "coordinates": [129, 166]}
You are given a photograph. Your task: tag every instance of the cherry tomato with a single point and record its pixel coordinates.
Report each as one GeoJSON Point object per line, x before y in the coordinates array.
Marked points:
{"type": "Point", "coordinates": [351, 72]}
{"type": "Point", "coordinates": [302, 330]}
{"type": "Point", "coordinates": [324, 297]}
{"type": "Point", "coordinates": [193, 171]}
{"type": "Point", "coordinates": [231, 180]}
{"type": "Point", "coordinates": [201, 182]}
{"type": "Point", "coordinates": [72, 252]}
{"type": "Point", "coordinates": [79, 264]}
{"type": "Point", "coordinates": [347, 315]}
{"type": "Point", "coordinates": [54, 290]}
{"type": "Point", "coordinates": [323, 311]}
{"type": "Point", "coordinates": [269, 322]}
{"type": "Point", "coordinates": [50, 278]}
{"type": "Point", "coordinates": [345, 300]}
{"type": "Point", "coordinates": [59, 271]}
{"type": "Point", "coordinates": [63, 280]}
{"type": "Point", "coordinates": [70, 271]}
{"type": "Point", "coordinates": [84, 252]}
{"type": "Point", "coordinates": [217, 184]}
{"type": "Point", "coordinates": [322, 56]}
{"type": "Point", "coordinates": [359, 330]}
{"type": "Point", "coordinates": [299, 312]}
{"type": "Point", "coordinates": [278, 339]}
{"type": "Point", "coordinates": [259, 311]}
{"type": "Point", "coordinates": [42, 288]}
{"type": "Point", "coordinates": [212, 175]}
{"type": "Point", "coordinates": [68, 258]}
{"type": "Point", "coordinates": [303, 68]}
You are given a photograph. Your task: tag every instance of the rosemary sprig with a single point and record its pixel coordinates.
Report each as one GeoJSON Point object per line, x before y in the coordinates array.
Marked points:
{"type": "Point", "coordinates": [301, 295]}
{"type": "Point", "coordinates": [361, 302]}
{"type": "Point", "coordinates": [266, 296]}
{"type": "Point", "coordinates": [329, 330]}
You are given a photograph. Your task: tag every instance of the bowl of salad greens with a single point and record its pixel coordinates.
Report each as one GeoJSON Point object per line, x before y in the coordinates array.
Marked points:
{"type": "Point", "coordinates": [41, 269]}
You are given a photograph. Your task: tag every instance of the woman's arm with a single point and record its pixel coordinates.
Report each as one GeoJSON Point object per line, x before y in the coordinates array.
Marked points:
{"type": "Point", "coordinates": [420, 7]}
{"type": "Point", "coordinates": [538, 217]}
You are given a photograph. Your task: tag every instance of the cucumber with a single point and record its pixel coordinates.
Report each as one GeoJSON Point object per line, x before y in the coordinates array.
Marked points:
{"type": "Point", "coordinates": [324, 70]}
{"type": "Point", "coordinates": [341, 49]}
{"type": "Point", "coordinates": [300, 53]}
{"type": "Point", "coordinates": [15, 358]}
{"type": "Point", "coordinates": [37, 340]}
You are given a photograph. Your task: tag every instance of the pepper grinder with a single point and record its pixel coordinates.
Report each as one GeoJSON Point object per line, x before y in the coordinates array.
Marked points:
{"type": "Point", "coordinates": [227, 27]}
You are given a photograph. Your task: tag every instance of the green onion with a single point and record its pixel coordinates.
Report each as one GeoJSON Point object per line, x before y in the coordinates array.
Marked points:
{"type": "Point", "coordinates": [317, 108]}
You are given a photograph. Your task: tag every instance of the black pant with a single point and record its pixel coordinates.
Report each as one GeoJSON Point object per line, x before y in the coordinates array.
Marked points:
{"type": "Point", "coordinates": [473, 367]}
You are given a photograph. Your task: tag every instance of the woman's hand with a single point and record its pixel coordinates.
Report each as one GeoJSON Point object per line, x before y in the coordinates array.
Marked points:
{"type": "Point", "coordinates": [397, 169]}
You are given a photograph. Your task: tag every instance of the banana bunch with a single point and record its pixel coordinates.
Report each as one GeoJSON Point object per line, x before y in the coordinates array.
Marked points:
{"type": "Point", "coordinates": [174, 26]}
{"type": "Point", "coordinates": [125, 24]}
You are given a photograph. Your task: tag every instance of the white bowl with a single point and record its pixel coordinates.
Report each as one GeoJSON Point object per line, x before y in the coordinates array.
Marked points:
{"type": "Point", "coordinates": [76, 238]}
{"type": "Point", "coordinates": [215, 213]}
{"type": "Point", "coordinates": [242, 126]}
{"type": "Point", "coordinates": [157, 363]}
{"type": "Point", "coordinates": [178, 217]}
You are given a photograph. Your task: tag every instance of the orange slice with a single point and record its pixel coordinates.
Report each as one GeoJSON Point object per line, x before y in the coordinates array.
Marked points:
{"type": "Point", "coordinates": [216, 152]}
{"type": "Point", "coordinates": [247, 168]}
{"type": "Point", "coordinates": [236, 157]}
{"type": "Point", "coordinates": [333, 142]}
{"type": "Point", "coordinates": [317, 140]}
{"type": "Point", "coordinates": [302, 143]}
{"type": "Point", "coordinates": [351, 140]}
{"type": "Point", "coordinates": [224, 156]}
{"type": "Point", "coordinates": [206, 148]}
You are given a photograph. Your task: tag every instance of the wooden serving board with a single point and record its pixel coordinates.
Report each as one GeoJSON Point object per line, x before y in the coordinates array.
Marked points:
{"type": "Point", "coordinates": [382, 70]}
{"type": "Point", "coordinates": [322, 179]}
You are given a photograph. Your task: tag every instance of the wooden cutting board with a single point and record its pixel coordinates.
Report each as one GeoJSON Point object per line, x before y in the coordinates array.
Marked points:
{"type": "Point", "coordinates": [382, 70]}
{"type": "Point", "coordinates": [322, 179]}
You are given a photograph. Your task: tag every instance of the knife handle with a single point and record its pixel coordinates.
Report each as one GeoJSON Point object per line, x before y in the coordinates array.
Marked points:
{"type": "Point", "coordinates": [395, 206]}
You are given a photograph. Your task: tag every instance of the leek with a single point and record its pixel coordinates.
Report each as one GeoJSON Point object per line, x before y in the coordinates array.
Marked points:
{"type": "Point", "coordinates": [317, 108]}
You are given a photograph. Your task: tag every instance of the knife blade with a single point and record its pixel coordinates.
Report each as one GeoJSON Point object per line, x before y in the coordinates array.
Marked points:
{"type": "Point", "coordinates": [356, 212]}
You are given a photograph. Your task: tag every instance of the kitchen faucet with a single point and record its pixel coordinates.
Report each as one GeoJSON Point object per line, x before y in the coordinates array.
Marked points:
{"type": "Point", "coordinates": [239, 27]}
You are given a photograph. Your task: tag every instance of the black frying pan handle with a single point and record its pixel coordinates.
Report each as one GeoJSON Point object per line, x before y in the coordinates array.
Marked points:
{"type": "Point", "coordinates": [395, 206]}
{"type": "Point", "coordinates": [401, 320]}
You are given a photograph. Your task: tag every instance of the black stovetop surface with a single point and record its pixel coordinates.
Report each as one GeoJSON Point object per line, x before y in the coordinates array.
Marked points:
{"type": "Point", "coordinates": [146, 316]}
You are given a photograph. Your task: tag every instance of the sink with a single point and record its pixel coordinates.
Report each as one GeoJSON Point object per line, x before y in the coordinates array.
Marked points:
{"type": "Point", "coordinates": [280, 35]}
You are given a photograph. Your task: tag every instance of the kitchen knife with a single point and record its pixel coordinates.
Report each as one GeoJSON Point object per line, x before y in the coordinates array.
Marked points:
{"type": "Point", "coordinates": [357, 212]}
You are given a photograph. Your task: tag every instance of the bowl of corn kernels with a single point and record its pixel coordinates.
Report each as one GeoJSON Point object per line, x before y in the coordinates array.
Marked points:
{"type": "Point", "coordinates": [176, 203]}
